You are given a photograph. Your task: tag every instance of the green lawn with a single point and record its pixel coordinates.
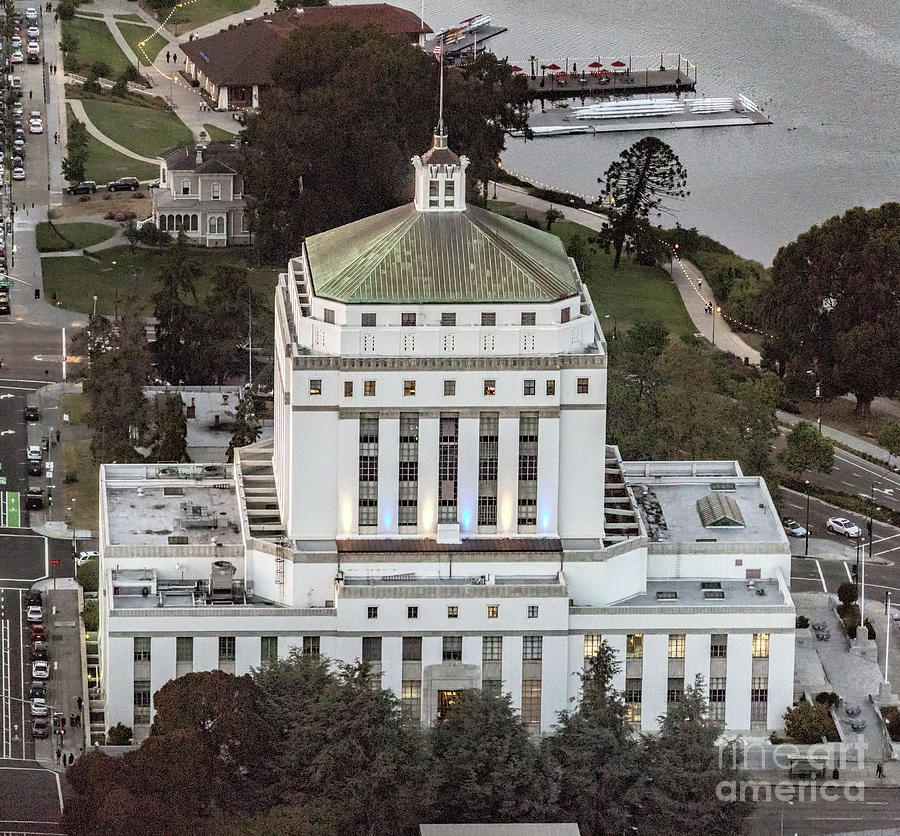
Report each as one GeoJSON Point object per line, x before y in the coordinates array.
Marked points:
{"type": "Point", "coordinates": [76, 281]}
{"type": "Point", "coordinates": [81, 13]}
{"type": "Point", "coordinates": [95, 43]}
{"type": "Point", "coordinates": [131, 18]}
{"type": "Point", "coordinates": [629, 293]}
{"type": "Point", "coordinates": [105, 164]}
{"type": "Point", "coordinates": [197, 13]}
{"type": "Point", "coordinates": [82, 495]}
{"type": "Point", "coordinates": [75, 236]}
{"type": "Point", "coordinates": [140, 129]}
{"type": "Point", "coordinates": [217, 134]}
{"type": "Point", "coordinates": [134, 34]}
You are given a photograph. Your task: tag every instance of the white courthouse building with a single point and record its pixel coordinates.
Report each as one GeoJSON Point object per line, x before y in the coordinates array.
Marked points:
{"type": "Point", "coordinates": [439, 499]}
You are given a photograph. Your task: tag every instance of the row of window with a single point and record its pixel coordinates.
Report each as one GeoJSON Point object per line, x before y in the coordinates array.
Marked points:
{"type": "Point", "coordinates": [215, 191]}
{"type": "Point", "coordinates": [529, 387]}
{"type": "Point", "coordinates": [189, 223]}
{"type": "Point", "coordinates": [718, 648]}
{"type": "Point", "coordinates": [493, 611]}
{"type": "Point", "coordinates": [448, 320]}
{"type": "Point", "coordinates": [759, 697]}
{"type": "Point", "coordinates": [451, 648]}
{"type": "Point", "coordinates": [411, 699]}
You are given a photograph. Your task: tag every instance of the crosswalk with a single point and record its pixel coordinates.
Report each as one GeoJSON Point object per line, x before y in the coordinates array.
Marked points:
{"type": "Point", "coordinates": [10, 509]}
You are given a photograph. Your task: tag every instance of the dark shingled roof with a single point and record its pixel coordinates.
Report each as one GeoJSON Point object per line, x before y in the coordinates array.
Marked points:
{"type": "Point", "coordinates": [218, 158]}
{"type": "Point", "coordinates": [243, 55]}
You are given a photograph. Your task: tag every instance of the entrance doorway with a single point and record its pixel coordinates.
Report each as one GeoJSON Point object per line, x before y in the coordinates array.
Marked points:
{"type": "Point", "coordinates": [446, 701]}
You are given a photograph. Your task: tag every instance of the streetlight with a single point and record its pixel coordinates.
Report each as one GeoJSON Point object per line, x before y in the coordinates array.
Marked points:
{"type": "Point", "coordinates": [94, 314]}
{"type": "Point", "coordinates": [615, 320]}
{"type": "Point", "coordinates": [672, 267]}
{"type": "Point", "coordinates": [116, 282]}
{"type": "Point", "coordinates": [806, 550]}
{"type": "Point", "coordinates": [887, 635]}
{"type": "Point", "coordinates": [716, 310]}
{"type": "Point", "coordinates": [862, 588]}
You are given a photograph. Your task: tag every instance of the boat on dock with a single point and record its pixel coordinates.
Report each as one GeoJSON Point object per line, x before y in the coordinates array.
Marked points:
{"type": "Point", "coordinates": [653, 114]}
{"type": "Point", "coordinates": [466, 38]}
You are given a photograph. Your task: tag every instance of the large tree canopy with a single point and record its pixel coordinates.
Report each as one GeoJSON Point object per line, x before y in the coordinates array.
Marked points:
{"type": "Point", "coordinates": [834, 304]}
{"type": "Point", "coordinates": [348, 109]}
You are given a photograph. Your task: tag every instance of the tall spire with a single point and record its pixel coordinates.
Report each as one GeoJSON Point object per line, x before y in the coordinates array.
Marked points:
{"type": "Point", "coordinates": [440, 127]}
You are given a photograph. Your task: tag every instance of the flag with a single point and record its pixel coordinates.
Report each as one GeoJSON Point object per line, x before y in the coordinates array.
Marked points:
{"type": "Point", "coordinates": [437, 51]}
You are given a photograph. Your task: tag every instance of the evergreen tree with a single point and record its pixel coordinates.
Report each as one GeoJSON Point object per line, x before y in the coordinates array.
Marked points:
{"type": "Point", "coordinates": [169, 429]}
{"type": "Point", "coordinates": [807, 449]}
{"type": "Point", "coordinates": [246, 428]}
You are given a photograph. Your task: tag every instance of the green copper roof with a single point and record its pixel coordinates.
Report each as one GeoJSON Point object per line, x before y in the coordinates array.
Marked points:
{"type": "Point", "coordinates": [407, 256]}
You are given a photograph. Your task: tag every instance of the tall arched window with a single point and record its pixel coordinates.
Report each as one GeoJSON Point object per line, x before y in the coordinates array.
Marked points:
{"type": "Point", "coordinates": [220, 226]}
{"type": "Point", "coordinates": [212, 226]}
{"type": "Point", "coordinates": [162, 223]}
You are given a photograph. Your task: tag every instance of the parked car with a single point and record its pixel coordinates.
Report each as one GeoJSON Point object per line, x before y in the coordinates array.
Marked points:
{"type": "Point", "coordinates": [34, 497]}
{"type": "Point", "coordinates": [40, 651]}
{"type": "Point", "coordinates": [34, 614]}
{"type": "Point", "coordinates": [15, 42]}
{"type": "Point", "coordinates": [33, 57]}
{"type": "Point", "coordinates": [33, 48]}
{"type": "Point", "coordinates": [18, 108]}
{"type": "Point", "coordinates": [36, 126]}
{"type": "Point", "coordinates": [38, 632]}
{"type": "Point", "coordinates": [124, 184]}
{"type": "Point", "coordinates": [15, 84]}
{"type": "Point", "coordinates": [84, 187]}
{"type": "Point", "coordinates": [793, 528]}
{"type": "Point", "coordinates": [4, 306]}
{"type": "Point", "coordinates": [34, 452]}
{"type": "Point", "coordinates": [17, 57]}
{"type": "Point", "coordinates": [19, 147]}
{"type": "Point", "coordinates": [40, 727]}
{"type": "Point", "coordinates": [18, 173]}
{"type": "Point", "coordinates": [35, 469]}
{"type": "Point", "coordinates": [33, 31]}
{"type": "Point", "coordinates": [37, 689]}
{"type": "Point", "coordinates": [39, 707]}
{"type": "Point", "coordinates": [40, 669]}
{"type": "Point", "coordinates": [32, 413]}
{"type": "Point", "coordinates": [841, 525]}
{"type": "Point", "coordinates": [84, 557]}
{"type": "Point", "coordinates": [31, 14]}
{"type": "Point", "coordinates": [34, 599]}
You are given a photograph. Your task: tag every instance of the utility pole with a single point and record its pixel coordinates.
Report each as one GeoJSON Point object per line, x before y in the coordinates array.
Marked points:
{"type": "Point", "coordinates": [887, 636]}
{"type": "Point", "coordinates": [806, 549]}
{"type": "Point", "coordinates": [250, 335]}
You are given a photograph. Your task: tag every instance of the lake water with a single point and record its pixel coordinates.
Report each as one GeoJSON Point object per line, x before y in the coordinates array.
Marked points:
{"type": "Point", "coordinates": [827, 73]}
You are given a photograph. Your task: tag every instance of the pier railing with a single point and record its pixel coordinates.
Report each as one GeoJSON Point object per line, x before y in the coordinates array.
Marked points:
{"type": "Point", "coordinates": [629, 63]}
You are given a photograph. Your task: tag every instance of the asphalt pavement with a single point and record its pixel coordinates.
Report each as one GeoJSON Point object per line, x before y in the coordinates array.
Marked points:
{"type": "Point", "coordinates": [834, 810]}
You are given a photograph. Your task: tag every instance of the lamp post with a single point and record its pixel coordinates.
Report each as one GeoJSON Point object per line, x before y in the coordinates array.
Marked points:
{"type": "Point", "coordinates": [819, 399]}
{"type": "Point", "coordinates": [94, 314]}
{"type": "Point", "coordinates": [887, 635]}
{"type": "Point", "coordinates": [862, 588]}
{"type": "Point", "coordinates": [615, 330]}
{"type": "Point", "coordinates": [116, 283]}
{"type": "Point", "coordinates": [806, 549]}
{"type": "Point", "coordinates": [716, 310]}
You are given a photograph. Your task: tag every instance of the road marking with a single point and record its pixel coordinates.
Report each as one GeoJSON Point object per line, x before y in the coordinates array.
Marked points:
{"type": "Point", "coordinates": [22, 677]}
{"type": "Point", "coordinates": [821, 576]}
{"type": "Point", "coordinates": [64, 354]}
{"type": "Point", "coordinates": [847, 570]}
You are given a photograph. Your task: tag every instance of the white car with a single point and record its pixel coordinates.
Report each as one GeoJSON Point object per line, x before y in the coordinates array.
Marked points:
{"type": "Point", "coordinates": [84, 557]}
{"type": "Point", "coordinates": [841, 525]}
{"type": "Point", "coordinates": [34, 614]}
{"type": "Point", "coordinates": [40, 669]}
{"type": "Point", "coordinates": [15, 42]}
{"type": "Point", "coordinates": [793, 528]}
{"type": "Point", "coordinates": [34, 453]}
{"type": "Point", "coordinates": [39, 707]}
{"type": "Point", "coordinates": [17, 57]}
{"type": "Point", "coordinates": [18, 173]}
{"type": "Point", "coordinates": [33, 48]}
{"type": "Point", "coordinates": [35, 126]}
{"type": "Point", "coordinates": [33, 31]}
{"type": "Point", "coordinates": [31, 14]}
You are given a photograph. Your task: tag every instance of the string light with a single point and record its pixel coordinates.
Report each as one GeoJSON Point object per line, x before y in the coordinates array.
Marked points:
{"type": "Point", "coordinates": [550, 187]}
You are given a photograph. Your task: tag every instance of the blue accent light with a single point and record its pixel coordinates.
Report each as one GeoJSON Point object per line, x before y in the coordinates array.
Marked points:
{"type": "Point", "coordinates": [387, 520]}
{"type": "Point", "coordinates": [545, 519]}
{"type": "Point", "coordinates": [467, 519]}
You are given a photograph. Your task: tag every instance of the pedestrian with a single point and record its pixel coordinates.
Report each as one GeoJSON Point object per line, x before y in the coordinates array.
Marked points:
{"type": "Point", "coordinates": [62, 720]}
{"type": "Point", "coordinates": [1, 362]}
{"type": "Point", "coordinates": [72, 720]}
{"type": "Point", "coordinates": [71, 758]}
{"type": "Point", "coordinates": [174, 57]}
{"type": "Point", "coordinates": [699, 282]}
{"type": "Point", "coordinates": [58, 754]}
{"type": "Point", "coordinates": [879, 771]}
{"type": "Point", "coordinates": [30, 94]}
{"type": "Point", "coordinates": [168, 56]}
{"type": "Point", "coordinates": [79, 701]}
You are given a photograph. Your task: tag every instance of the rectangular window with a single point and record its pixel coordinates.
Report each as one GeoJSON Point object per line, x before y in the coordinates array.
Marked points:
{"type": "Point", "coordinates": [409, 388]}
{"type": "Point", "coordinates": [408, 496]}
{"type": "Point", "coordinates": [634, 646]}
{"type": "Point", "coordinates": [216, 191]}
{"type": "Point", "coordinates": [582, 386]}
{"type": "Point", "coordinates": [449, 191]}
{"type": "Point", "coordinates": [372, 612]}
{"type": "Point", "coordinates": [452, 612]}
{"type": "Point", "coordinates": [760, 645]}
{"type": "Point", "coordinates": [448, 469]}
{"type": "Point", "coordinates": [449, 387]}
{"type": "Point", "coordinates": [268, 649]}
{"type": "Point", "coordinates": [452, 649]}
{"type": "Point", "coordinates": [717, 698]}
{"type": "Point", "coordinates": [528, 387]}
{"type": "Point", "coordinates": [448, 319]}
{"type": "Point", "coordinates": [532, 611]}
{"type": "Point", "coordinates": [348, 388]}
{"type": "Point", "coordinates": [492, 649]}
{"type": "Point", "coordinates": [312, 646]}
{"type": "Point", "coordinates": [564, 314]}
{"type": "Point", "coordinates": [490, 387]}
{"type": "Point", "coordinates": [493, 610]}
{"type": "Point", "coordinates": [531, 701]}
{"type": "Point", "coordinates": [488, 451]}
{"type": "Point", "coordinates": [185, 186]}
{"type": "Point", "coordinates": [226, 649]}
{"type": "Point", "coordinates": [315, 387]}
{"type": "Point", "coordinates": [718, 647]}
{"type": "Point", "coordinates": [142, 648]}
{"type": "Point", "coordinates": [532, 648]}
{"type": "Point", "coordinates": [528, 469]}
{"type": "Point", "coordinates": [412, 648]}
{"type": "Point", "coordinates": [676, 645]}
{"type": "Point", "coordinates": [329, 316]}
{"type": "Point", "coordinates": [666, 595]}
{"type": "Point", "coordinates": [592, 642]}
{"type": "Point", "coordinates": [368, 320]}
{"type": "Point", "coordinates": [488, 318]}
{"type": "Point", "coordinates": [368, 470]}
{"type": "Point", "coordinates": [411, 701]}
{"type": "Point", "coordinates": [412, 612]}
{"type": "Point", "coordinates": [408, 320]}
{"type": "Point", "coordinates": [371, 649]}
{"type": "Point", "coordinates": [551, 387]}
{"type": "Point", "coordinates": [528, 318]}
{"type": "Point", "coordinates": [759, 699]}
{"type": "Point", "coordinates": [633, 696]}
{"type": "Point", "coordinates": [369, 388]}
{"type": "Point", "coordinates": [491, 687]}
{"type": "Point", "coordinates": [141, 701]}
{"type": "Point", "coordinates": [675, 689]}
{"type": "Point", "coordinates": [184, 649]}
{"type": "Point", "coordinates": [434, 194]}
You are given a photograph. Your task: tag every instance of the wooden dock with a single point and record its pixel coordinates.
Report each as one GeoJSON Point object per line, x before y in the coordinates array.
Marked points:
{"type": "Point", "coordinates": [558, 86]}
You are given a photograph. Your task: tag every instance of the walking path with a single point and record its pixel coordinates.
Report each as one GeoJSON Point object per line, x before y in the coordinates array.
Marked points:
{"type": "Point", "coordinates": [79, 112]}
{"type": "Point", "coordinates": [854, 442]}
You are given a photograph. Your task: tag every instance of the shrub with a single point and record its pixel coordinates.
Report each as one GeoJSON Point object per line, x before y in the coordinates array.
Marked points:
{"type": "Point", "coordinates": [806, 723]}
{"type": "Point", "coordinates": [801, 622]}
{"type": "Point", "coordinates": [119, 735]}
{"type": "Point", "coordinates": [848, 593]}
{"type": "Point", "coordinates": [891, 716]}
{"type": "Point", "coordinates": [829, 698]}
{"type": "Point", "coordinates": [89, 576]}
{"type": "Point", "coordinates": [101, 69]}
{"type": "Point", "coordinates": [91, 85]}
{"type": "Point", "coordinates": [70, 477]}
{"type": "Point", "coordinates": [91, 616]}
{"type": "Point", "coordinates": [65, 9]}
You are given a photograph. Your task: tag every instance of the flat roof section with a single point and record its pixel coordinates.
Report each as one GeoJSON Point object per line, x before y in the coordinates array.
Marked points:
{"type": "Point", "coordinates": [707, 593]}
{"type": "Point", "coordinates": [171, 514]}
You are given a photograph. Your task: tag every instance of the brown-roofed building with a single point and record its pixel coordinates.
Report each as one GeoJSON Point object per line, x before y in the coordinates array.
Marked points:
{"type": "Point", "coordinates": [232, 67]}
{"type": "Point", "coordinates": [201, 192]}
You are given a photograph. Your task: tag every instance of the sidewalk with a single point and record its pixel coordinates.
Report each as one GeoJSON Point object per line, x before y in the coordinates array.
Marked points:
{"type": "Point", "coordinates": [79, 112]}
{"type": "Point", "coordinates": [852, 441]}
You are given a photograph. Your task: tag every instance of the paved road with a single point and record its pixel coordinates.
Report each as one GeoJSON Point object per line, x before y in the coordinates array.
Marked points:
{"type": "Point", "coordinates": [875, 812]}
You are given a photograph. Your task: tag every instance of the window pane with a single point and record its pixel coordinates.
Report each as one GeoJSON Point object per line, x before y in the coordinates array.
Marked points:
{"type": "Point", "coordinates": [531, 700]}
{"type": "Point", "coordinates": [492, 649]}
{"type": "Point", "coordinates": [371, 649]}
{"type": "Point", "coordinates": [760, 645]}
{"type": "Point", "coordinates": [268, 648]}
{"type": "Point", "coordinates": [634, 646]}
{"type": "Point", "coordinates": [412, 648]}
{"type": "Point", "coordinates": [676, 646]}
{"type": "Point", "coordinates": [592, 643]}
{"type": "Point", "coordinates": [311, 645]}
{"type": "Point", "coordinates": [532, 648]}
{"type": "Point", "coordinates": [452, 650]}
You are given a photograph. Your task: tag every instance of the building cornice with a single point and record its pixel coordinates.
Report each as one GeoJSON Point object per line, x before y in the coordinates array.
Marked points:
{"type": "Point", "coordinates": [556, 362]}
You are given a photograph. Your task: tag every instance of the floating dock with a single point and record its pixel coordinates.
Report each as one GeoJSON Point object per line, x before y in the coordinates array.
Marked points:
{"type": "Point", "coordinates": [573, 85]}
{"type": "Point", "coordinates": [647, 115]}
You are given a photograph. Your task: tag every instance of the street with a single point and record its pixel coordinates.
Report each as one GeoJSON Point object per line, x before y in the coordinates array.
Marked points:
{"type": "Point", "coordinates": [873, 810]}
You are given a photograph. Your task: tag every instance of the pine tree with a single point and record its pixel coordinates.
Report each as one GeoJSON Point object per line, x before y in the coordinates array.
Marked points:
{"type": "Point", "coordinates": [169, 429]}
{"type": "Point", "coordinates": [246, 427]}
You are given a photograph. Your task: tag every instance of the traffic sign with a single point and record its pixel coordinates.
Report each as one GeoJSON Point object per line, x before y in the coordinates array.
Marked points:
{"type": "Point", "coordinates": [54, 562]}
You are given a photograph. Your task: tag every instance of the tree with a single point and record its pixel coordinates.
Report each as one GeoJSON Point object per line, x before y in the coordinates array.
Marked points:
{"type": "Point", "coordinates": [231, 307]}
{"type": "Point", "coordinates": [246, 429]}
{"type": "Point", "coordinates": [636, 184]}
{"type": "Point", "coordinates": [169, 437]}
{"type": "Point", "coordinates": [592, 757]}
{"type": "Point", "coordinates": [551, 216]}
{"type": "Point", "coordinates": [806, 723]}
{"type": "Point", "coordinates": [132, 233]}
{"type": "Point", "coordinates": [807, 449]}
{"type": "Point", "coordinates": [848, 593]}
{"type": "Point", "coordinates": [281, 5]}
{"type": "Point", "coordinates": [833, 304]}
{"type": "Point", "coordinates": [325, 161]}
{"type": "Point", "coordinates": [119, 735]}
{"type": "Point", "coordinates": [483, 766]}
{"type": "Point", "coordinates": [76, 145]}
{"type": "Point", "coordinates": [889, 438]}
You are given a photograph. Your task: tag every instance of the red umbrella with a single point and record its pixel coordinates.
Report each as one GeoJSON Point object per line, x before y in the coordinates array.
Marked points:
{"type": "Point", "coordinates": [595, 65]}
{"type": "Point", "coordinates": [517, 69]}
{"type": "Point", "coordinates": [618, 64]}
{"type": "Point", "coordinates": [553, 67]}
{"type": "Point", "coordinates": [603, 72]}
